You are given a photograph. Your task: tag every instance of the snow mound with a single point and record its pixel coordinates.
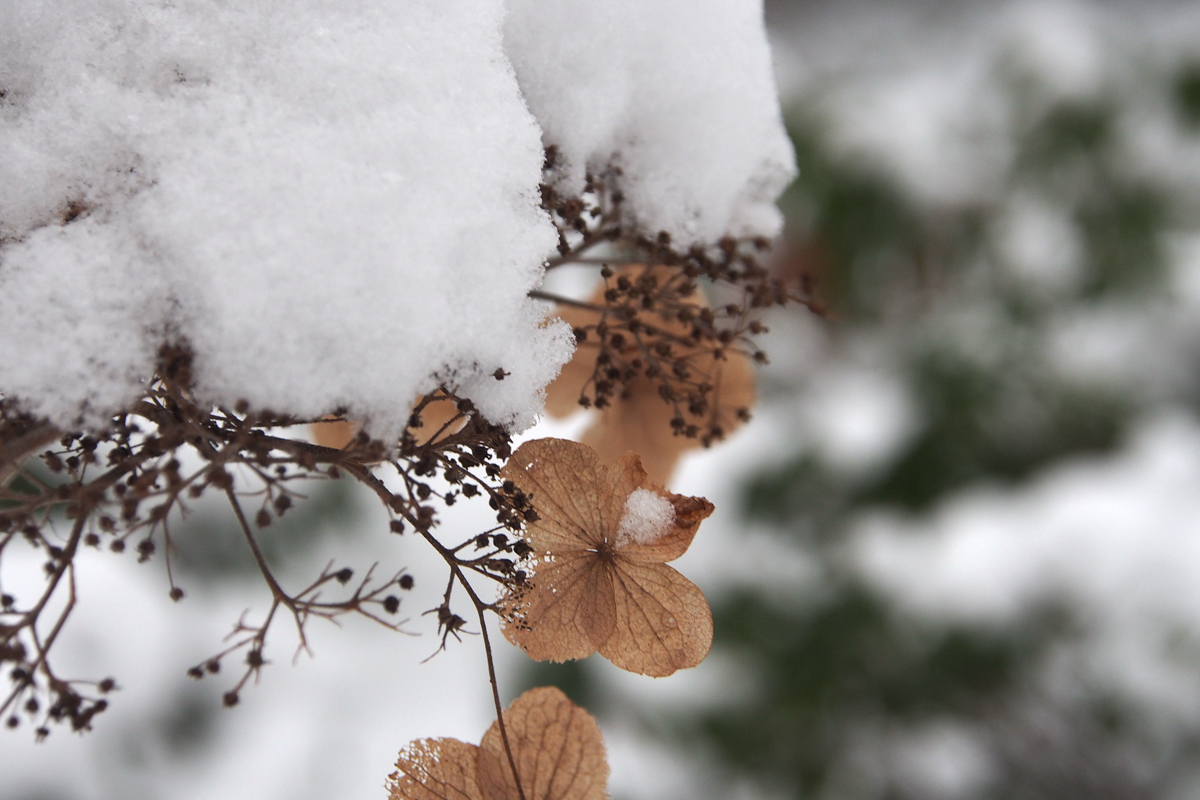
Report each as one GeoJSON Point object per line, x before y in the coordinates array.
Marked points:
{"type": "Point", "coordinates": [336, 204]}
{"type": "Point", "coordinates": [678, 93]}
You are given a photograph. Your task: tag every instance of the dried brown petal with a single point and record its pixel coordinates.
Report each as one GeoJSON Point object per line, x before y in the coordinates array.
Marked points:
{"type": "Point", "coordinates": [556, 746]}
{"type": "Point", "coordinates": [639, 422]}
{"type": "Point", "coordinates": [436, 769]}
{"type": "Point", "coordinates": [335, 433]}
{"type": "Point", "coordinates": [436, 414]}
{"type": "Point", "coordinates": [689, 513]}
{"type": "Point", "coordinates": [565, 612]}
{"type": "Point", "coordinates": [663, 621]}
{"type": "Point", "coordinates": [579, 499]}
{"type": "Point", "coordinates": [593, 586]}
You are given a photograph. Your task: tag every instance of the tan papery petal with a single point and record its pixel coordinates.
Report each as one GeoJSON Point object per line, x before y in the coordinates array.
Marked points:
{"type": "Point", "coordinates": [663, 621]}
{"type": "Point", "coordinates": [436, 769]}
{"type": "Point", "coordinates": [565, 610]}
{"type": "Point", "coordinates": [639, 422]}
{"type": "Point", "coordinates": [562, 395]}
{"type": "Point", "coordinates": [556, 746]}
{"type": "Point", "coordinates": [438, 419]}
{"type": "Point", "coordinates": [689, 513]}
{"type": "Point", "coordinates": [335, 433]}
{"type": "Point", "coordinates": [572, 493]}
{"type": "Point", "coordinates": [737, 386]}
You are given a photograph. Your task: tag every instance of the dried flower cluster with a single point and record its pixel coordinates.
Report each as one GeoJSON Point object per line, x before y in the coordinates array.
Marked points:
{"type": "Point", "coordinates": [665, 341]}
{"type": "Point", "coordinates": [582, 533]}
{"type": "Point", "coordinates": [598, 578]}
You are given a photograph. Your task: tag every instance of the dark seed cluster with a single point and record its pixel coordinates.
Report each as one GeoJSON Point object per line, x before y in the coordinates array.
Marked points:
{"type": "Point", "coordinates": [650, 323]}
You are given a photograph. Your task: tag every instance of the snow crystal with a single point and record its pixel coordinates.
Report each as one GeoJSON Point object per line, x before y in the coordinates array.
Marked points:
{"type": "Point", "coordinates": [333, 203]}
{"type": "Point", "coordinates": [648, 515]}
{"type": "Point", "coordinates": [678, 93]}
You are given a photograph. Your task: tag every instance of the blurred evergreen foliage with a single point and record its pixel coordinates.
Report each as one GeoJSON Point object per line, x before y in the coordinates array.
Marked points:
{"type": "Point", "coordinates": [839, 679]}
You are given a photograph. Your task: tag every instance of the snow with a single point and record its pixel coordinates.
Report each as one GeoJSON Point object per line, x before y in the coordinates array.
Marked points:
{"type": "Point", "coordinates": [334, 204]}
{"type": "Point", "coordinates": [1041, 248]}
{"type": "Point", "coordinates": [659, 89]}
{"type": "Point", "coordinates": [1119, 537]}
{"type": "Point", "coordinates": [648, 515]}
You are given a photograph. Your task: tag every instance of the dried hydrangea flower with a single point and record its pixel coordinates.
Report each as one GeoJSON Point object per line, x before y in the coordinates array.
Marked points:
{"type": "Point", "coordinates": [599, 580]}
{"type": "Point", "coordinates": [555, 744]}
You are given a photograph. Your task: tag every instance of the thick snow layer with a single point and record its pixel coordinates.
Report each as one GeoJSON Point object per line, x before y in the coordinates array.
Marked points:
{"type": "Point", "coordinates": [678, 93]}
{"type": "Point", "coordinates": [334, 203]}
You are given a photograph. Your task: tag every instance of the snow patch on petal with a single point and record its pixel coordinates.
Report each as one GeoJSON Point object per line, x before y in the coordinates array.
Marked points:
{"type": "Point", "coordinates": [648, 515]}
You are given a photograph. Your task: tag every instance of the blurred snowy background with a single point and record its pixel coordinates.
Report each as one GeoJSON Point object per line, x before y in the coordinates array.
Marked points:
{"type": "Point", "coordinates": [957, 553]}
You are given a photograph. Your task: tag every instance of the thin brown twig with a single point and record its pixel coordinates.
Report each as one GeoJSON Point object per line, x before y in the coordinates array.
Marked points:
{"type": "Point", "coordinates": [487, 649]}
{"type": "Point", "coordinates": [276, 590]}
{"type": "Point", "coordinates": [538, 294]}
